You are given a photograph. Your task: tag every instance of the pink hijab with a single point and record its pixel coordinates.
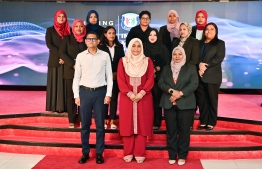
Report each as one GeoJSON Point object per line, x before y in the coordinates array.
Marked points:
{"type": "Point", "coordinates": [79, 37]}
{"type": "Point", "coordinates": [173, 28]}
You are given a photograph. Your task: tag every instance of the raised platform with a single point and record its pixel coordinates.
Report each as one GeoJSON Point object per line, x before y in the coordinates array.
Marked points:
{"type": "Point", "coordinates": [46, 133]}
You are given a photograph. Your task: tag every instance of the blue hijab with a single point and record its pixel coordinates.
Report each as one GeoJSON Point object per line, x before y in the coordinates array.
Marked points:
{"type": "Point", "coordinates": [93, 27]}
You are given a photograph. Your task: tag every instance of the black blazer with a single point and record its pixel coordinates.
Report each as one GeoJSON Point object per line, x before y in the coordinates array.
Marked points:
{"type": "Point", "coordinates": [68, 51]}
{"type": "Point", "coordinates": [192, 49]}
{"type": "Point", "coordinates": [187, 82]}
{"type": "Point", "coordinates": [53, 42]}
{"type": "Point", "coordinates": [159, 58]}
{"type": "Point", "coordinates": [213, 55]}
{"type": "Point", "coordinates": [164, 37]}
{"type": "Point", "coordinates": [119, 52]}
{"type": "Point", "coordinates": [137, 32]}
{"type": "Point", "coordinates": [193, 33]}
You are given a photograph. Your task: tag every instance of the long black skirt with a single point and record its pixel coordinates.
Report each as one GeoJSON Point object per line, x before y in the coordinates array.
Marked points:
{"type": "Point", "coordinates": [55, 90]}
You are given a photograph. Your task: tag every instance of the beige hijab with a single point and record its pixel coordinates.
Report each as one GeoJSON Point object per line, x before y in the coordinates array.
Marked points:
{"type": "Point", "coordinates": [135, 66]}
{"type": "Point", "coordinates": [189, 27]}
{"type": "Point", "coordinates": [175, 67]}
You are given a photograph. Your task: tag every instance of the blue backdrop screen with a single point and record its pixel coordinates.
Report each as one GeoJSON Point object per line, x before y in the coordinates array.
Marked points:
{"type": "Point", "coordinates": [24, 55]}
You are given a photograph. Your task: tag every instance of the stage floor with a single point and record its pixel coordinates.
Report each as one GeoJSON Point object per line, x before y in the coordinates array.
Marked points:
{"type": "Point", "coordinates": [238, 106]}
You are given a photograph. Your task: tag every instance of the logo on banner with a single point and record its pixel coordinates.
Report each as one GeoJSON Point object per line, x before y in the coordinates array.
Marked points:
{"type": "Point", "coordinates": [129, 20]}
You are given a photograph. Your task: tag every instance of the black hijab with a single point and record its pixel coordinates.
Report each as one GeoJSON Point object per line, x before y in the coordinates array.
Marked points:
{"type": "Point", "coordinates": [156, 50]}
{"type": "Point", "coordinates": [152, 50]}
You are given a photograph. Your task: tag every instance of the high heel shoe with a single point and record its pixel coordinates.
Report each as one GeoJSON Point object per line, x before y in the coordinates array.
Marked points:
{"type": "Point", "coordinates": [209, 127]}
{"type": "Point", "coordinates": [71, 125]}
{"type": "Point", "coordinates": [113, 126]}
{"type": "Point", "coordinates": [140, 160]}
{"type": "Point", "coordinates": [181, 162]}
{"type": "Point", "coordinates": [128, 158]}
{"type": "Point", "coordinates": [171, 162]}
{"type": "Point", "coordinates": [201, 127]}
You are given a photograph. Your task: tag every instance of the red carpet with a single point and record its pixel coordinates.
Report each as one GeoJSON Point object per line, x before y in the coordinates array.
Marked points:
{"type": "Point", "coordinates": [20, 102]}
{"type": "Point", "coordinates": [71, 162]}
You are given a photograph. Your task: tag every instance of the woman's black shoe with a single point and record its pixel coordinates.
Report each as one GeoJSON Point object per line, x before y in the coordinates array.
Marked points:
{"type": "Point", "coordinates": [209, 127]}
{"type": "Point", "coordinates": [201, 127]}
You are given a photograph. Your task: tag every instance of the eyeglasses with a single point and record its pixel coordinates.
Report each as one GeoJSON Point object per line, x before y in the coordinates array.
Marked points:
{"type": "Point", "coordinates": [145, 19]}
{"type": "Point", "coordinates": [91, 39]}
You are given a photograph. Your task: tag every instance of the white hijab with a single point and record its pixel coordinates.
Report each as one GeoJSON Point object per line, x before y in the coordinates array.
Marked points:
{"type": "Point", "coordinates": [135, 66]}
{"type": "Point", "coordinates": [175, 67]}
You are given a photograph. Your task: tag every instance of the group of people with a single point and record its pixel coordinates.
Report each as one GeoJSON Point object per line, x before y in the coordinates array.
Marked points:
{"type": "Point", "coordinates": [176, 69]}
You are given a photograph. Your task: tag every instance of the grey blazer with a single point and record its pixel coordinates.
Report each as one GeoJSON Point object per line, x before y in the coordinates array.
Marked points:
{"type": "Point", "coordinates": [187, 82]}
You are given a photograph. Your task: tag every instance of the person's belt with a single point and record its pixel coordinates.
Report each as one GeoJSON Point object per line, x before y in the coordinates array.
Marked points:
{"type": "Point", "coordinates": [93, 88]}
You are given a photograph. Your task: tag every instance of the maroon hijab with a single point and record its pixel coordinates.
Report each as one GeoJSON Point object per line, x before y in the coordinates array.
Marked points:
{"type": "Point", "coordinates": [201, 26]}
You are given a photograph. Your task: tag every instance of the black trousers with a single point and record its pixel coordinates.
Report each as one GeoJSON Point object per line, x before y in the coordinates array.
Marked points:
{"type": "Point", "coordinates": [70, 101]}
{"type": "Point", "coordinates": [113, 103]}
{"type": "Point", "coordinates": [207, 102]}
{"type": "Point", "coordinates": [178, 131]}
{"type": "Point", "coordinates": [92, 100]}
{"type": "Point", "coordinates": [157, 93]}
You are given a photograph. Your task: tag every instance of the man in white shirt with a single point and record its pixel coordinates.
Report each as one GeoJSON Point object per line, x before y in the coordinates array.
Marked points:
{"type": "Point", "coordinates": [92, 87]}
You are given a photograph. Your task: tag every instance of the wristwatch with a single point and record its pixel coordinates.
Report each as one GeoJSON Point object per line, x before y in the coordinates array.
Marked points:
{"type": "Point", "coordinates": [171, 91]}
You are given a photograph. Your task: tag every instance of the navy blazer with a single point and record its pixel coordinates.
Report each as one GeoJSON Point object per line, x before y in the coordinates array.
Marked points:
{"type": "Point", "coordinates": [213, 55]}
{"type": "Point", "coordinates": [192, 49]}
{"type": "Point", "coordinates": [68, 51]}
{"type": "Point", "coordinates": [53, 42]}
{"type": "Point", "coordinates": [187, 82]}
{"type": "Point", "coordinates": [119, 52]}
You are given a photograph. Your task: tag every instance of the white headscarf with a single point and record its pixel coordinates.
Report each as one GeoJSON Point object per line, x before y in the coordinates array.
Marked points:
{"type": "Point", "coordinates": [135, 66]}
{"type": "Point", "coordinates": [173, 28]}
{"type": "Point", "coordinates": [175, 67]}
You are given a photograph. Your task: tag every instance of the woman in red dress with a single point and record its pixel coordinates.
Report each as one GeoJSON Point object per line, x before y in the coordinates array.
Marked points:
{"type": "Point", "coordinates": [135, 77]}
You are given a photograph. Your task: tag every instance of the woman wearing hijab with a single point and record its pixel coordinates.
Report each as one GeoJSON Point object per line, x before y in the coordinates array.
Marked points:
{"type": "Point", "coordinates": [159, 54]}
{"type": "Point", "coordinates": [110, 44]}
{"type": "Point", "coordinates": [135, 77]}
{"type": "Point", "coordinates": [201, 21]}
{"type": "Point", "coordinates": [55, 93]}
{"type": "Point", "coordinates": [170, 32]}
{"type": "Point", "coordinates": [71, 46]}
{"type": "Point", "coordinates": [190, 45]}
{"type": "Point", "coordinates": [210, 75]}
{"type": "Point", "coordinates": [178, 81]}
{"type": "Point", "coordinates": [92, 20]}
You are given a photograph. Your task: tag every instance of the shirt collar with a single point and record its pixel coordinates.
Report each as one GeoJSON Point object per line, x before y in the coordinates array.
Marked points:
{"type": "Point", "coordinates": [97, 52]}
{"type": "Point", "coordinates": [112, 46]}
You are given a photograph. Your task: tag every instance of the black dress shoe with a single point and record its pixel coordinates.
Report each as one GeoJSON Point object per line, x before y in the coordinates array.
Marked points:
{"type": "Point", "coordinates": [83, 159]}
{"type": "Point", "coordinates": [99, 159]}
{"type": "Point", "coordinates": [201, 127]}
